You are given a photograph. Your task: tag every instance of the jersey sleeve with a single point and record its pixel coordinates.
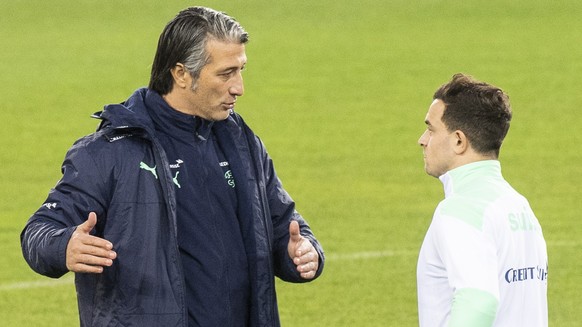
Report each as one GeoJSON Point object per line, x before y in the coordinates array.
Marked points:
{"type": "Point", "coordinates": [470, 259]}
{"type": "Point", "coordinates": [473, 307]}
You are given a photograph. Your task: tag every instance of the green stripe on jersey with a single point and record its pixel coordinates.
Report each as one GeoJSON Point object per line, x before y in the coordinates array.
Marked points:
{"type": "Point", "coordinates": [474, 188]}
{"type": "Point", "coordinates": [474, 308]}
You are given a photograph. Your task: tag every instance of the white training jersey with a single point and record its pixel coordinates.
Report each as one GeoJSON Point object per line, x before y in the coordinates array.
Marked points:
{"type": "Point", "coordinates": [483, 261]}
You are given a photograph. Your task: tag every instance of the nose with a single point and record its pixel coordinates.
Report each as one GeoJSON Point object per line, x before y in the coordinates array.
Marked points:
{"type": "Point", "coordinates": [422, 139]}
{"type": "Point", "coordinates": [237, 88]}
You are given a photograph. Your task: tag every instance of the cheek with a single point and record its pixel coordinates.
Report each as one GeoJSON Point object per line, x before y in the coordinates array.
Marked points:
{"type": "Point", "coordinates": [435, 144]}
{"type": "Point", "coordinates": [430, 141]}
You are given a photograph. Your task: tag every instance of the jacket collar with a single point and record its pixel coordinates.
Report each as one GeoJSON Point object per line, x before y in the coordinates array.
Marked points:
{"type": "Point", "coordinates": [174, 123]}
{"type": "Point", "coordinates": [130, 114]}
{"type": "Point", "coordinates": [146, 110]}
{"type": "Point", "coordinates": [466, 176]}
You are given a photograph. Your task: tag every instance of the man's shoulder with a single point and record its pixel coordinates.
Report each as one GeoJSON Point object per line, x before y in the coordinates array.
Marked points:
{"type": "Point", "coordinates": [464, 208]}
{"type": "Point", "coordinates": [105, 144]}
{"type": "Point", "coordinates": [476, 206]}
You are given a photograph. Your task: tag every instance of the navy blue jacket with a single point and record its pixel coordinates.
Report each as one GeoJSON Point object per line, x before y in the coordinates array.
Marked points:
{"type": "Point", "coordinates": [137, 213]}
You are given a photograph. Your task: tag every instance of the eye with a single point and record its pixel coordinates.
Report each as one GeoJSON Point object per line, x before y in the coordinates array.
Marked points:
{"type": "Point", "coordinates": [229, 73]}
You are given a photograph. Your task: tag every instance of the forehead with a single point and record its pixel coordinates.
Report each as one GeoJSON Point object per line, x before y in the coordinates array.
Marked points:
{"type": "Point", "coordinates": [435, 113]}
{"type": "Point", "coordinates": [225, 54]}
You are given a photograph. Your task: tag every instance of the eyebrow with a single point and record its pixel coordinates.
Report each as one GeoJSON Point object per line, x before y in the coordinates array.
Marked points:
{"type": "Point", "coordinates": [227, 69]}
{"type": "Point", "coordinates": [231, 68]}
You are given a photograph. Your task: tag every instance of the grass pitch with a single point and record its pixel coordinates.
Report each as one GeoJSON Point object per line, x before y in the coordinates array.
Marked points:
{"type": "Point", "coordinates": [338, 90]}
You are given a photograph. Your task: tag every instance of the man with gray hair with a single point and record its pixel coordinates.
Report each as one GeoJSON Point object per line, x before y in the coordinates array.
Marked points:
{"type": "Point", "coordinates": [171, 214]}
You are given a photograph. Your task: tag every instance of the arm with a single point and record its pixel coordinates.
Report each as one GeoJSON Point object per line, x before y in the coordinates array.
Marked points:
{"type": "Point", "coordinates": [51, 233]}
{"type": "Point", "coordinates": [470, 260]}
{"type": "Point", "coordinates": [473, 307]}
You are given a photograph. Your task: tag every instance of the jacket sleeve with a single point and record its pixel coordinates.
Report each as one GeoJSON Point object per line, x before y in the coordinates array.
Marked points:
{"type": "Point", "coordinates": [45, 237]}
{"type": "Point", "coordinates": [283, 211]}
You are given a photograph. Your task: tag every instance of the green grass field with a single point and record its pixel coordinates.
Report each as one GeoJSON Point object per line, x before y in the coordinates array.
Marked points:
{"type": "Point", "coordinates": [338, 90]}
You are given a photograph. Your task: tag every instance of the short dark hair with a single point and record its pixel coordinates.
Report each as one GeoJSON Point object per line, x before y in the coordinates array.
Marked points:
{"type": "Point", "coordinates": [480, 110]}
{"type": "Point", "coordinates": [183, 40]}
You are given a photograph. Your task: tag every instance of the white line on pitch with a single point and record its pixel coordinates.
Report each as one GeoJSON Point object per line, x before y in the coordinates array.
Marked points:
{"type": "Point", "coordinates": [368, 255]}
{"type": "Point", "coordinates": [37, 284]}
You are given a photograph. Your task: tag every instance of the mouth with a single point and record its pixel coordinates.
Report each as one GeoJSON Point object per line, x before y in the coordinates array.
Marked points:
{"type": "Point", "coordinates": [229, 105]}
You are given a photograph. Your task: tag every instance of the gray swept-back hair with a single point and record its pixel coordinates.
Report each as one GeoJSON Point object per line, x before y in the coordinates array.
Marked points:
{"type": "Point", "coordinates": [184, 39]}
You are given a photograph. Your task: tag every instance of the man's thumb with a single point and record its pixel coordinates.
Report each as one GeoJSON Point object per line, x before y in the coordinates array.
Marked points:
{"type": "Point", "coordinates": [88, 225]}
{"type": "Point", "coordinates": [294, 231]}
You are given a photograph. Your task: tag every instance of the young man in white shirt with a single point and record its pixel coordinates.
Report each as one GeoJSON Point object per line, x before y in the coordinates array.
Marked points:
{"type": "Point", "coordinates": [483, 261]}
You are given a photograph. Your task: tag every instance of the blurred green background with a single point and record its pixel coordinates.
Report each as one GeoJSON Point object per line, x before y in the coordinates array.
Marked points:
{"type": "Point", "coordinates": [338, 91]}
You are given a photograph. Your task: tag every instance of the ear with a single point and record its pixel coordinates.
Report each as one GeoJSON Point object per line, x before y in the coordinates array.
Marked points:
{"type": "Point", "coordinates": [181, 75]}
{"type": "Point", "coordinates": [461, 143]}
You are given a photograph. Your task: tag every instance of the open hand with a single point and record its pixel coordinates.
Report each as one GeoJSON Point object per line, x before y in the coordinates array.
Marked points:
{"type": "Point", "coordinates": [87, 253]}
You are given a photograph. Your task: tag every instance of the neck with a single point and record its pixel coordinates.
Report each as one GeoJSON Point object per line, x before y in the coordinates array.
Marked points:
{"type": "Point", "coordinates": [471, 156]}
{"type": "Point", "coordinates": [175, 99]}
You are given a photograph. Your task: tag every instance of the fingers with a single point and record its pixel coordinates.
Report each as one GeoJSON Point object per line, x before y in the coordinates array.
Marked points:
{"type": "Point", "coordinates": [90, 264]}
{"type": "Point", "coordinates": [303, 262]}
{"type": "Point", "coordinates": [307, 264]}
{"type": "Point", "coordinates": [87, 253]}
{"type": "Point", "coordinates": [310, 274]}
{"type": "Point", "coordinates": [302, 247]}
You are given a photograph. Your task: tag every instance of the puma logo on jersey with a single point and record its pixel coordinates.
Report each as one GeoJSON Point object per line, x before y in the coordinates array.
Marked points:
{"type": "Point", "coordinates": [144, 166]}
{"type": "Point", "coordinates": [175, 180]}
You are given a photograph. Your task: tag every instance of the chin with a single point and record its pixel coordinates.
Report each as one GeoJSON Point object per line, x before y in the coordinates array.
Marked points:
{"type": "Point", "coordinates": [430, 172]}
{"type": "Point", "coordinates": [220, 118]}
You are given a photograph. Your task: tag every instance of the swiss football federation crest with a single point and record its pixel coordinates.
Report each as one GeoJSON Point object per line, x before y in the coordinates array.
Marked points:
{"type": "Point", "coordinates": [229, 178]}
